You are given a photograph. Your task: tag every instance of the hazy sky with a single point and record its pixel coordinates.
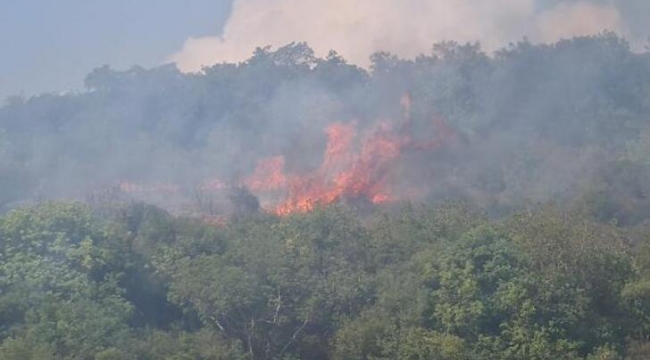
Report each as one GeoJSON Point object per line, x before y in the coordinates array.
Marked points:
{"type": "Point", "coordinates": [51, 45]}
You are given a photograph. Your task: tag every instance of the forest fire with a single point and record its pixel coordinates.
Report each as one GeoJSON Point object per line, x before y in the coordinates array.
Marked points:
{"type": "Point", "coordinates": [354, 166]}
{"type": "Point", "coordinates": [359, 164]}
{"type": "Point", "coordinates": [343, 172]}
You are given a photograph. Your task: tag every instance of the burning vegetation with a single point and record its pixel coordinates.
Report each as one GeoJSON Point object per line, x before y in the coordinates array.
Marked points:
{"type": "Point", "coordinates": [512, 189]}
{"type": "Point", "coordinates": [354, 166]}
{"type": "Point", "coordinates": [357, 166]}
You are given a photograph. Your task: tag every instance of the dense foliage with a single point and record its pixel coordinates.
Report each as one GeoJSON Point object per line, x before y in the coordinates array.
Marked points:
{"type": "Point", "coordinates": [533, 241]}
{"type": "Point", "coordinates": [420, 283]}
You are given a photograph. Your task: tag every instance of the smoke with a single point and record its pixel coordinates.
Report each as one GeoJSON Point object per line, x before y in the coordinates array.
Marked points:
{"type": "Point", "coordinates": [357, 29]}
{"type": "Point", "coordinates": [578, 19]}
{"type": "Point", "coordinates": [534, 123]}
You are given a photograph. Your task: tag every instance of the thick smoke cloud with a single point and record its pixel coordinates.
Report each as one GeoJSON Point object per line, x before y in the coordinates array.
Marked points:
{"type": "Point", "coordinates": [357, 29]}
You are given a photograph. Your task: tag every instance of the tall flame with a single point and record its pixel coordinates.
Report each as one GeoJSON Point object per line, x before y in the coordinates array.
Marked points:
{"type": "Point", "coordinates": [356, 165]}
{"type": "Point", "coordinates": [344, 173]}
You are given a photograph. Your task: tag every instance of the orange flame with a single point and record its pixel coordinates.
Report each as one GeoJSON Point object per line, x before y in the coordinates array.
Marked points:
{"type": "Point", "coordinates": [342, 173]}
{"type": "Point", "coordinates": [355, 166]}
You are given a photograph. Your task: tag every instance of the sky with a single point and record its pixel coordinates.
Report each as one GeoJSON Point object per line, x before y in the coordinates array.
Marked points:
{"type": "Point", "coordinates": [50, 46]}
{"type": "Point", "coordinates": [358, 28]}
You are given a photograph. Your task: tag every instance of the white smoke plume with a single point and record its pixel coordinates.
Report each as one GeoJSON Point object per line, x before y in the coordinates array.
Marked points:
{"type": "Point", "coordinates": [358, 28]}
{"type": "Point", "coordinates": [578, 19]}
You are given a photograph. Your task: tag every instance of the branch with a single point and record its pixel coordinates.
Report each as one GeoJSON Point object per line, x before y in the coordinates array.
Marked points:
{"type": "Point", "coordinates": [295, 334]}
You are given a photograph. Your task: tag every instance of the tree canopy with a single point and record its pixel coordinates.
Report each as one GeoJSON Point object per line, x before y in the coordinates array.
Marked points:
{"type": "Point", "coordinates": [530, 239]}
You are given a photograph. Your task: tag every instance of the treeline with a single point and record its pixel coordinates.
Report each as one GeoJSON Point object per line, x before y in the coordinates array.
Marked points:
{"type": "Point", "coordinates": [445, 282]}
{"type": "Point", "coordinates": [535, 122]}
